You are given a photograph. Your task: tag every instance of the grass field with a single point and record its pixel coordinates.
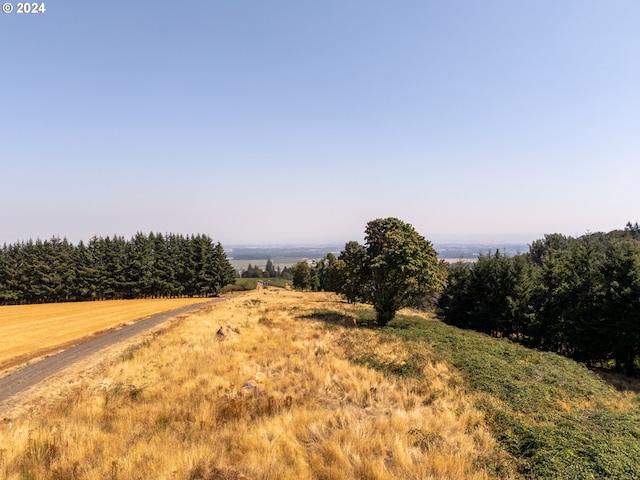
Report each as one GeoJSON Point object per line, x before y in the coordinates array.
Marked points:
{"type": "Point", "coordinates": [287, 390]}
{"type": "Point", "coordinates": [28, 330]}
{"type": "Point", "coordinates": [278, 395]}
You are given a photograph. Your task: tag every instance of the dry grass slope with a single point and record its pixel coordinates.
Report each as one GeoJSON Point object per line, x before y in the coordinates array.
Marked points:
{"type": "Point", "coordinates": [256, 389]}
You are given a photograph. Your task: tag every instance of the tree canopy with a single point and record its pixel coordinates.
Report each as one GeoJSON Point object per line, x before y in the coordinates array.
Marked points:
{"type": "Point", "coordinates": [303, 276]}
{"type": "Point", "coordinates": [579, 297]}
{"type": "Point", "coordinates": [144, 266]}
{"type": "Point", "coordinates": [396, 268]}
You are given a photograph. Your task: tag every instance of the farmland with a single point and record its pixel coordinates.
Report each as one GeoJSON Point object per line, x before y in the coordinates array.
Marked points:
{"type": "Point", "coordinates": [34, 330]}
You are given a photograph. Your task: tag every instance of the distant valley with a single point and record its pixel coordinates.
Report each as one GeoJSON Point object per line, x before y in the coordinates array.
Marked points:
{"type": "Point", "coordinates": [286, 255]}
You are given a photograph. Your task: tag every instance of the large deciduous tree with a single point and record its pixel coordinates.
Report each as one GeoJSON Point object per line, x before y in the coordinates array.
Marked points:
{"type": "Point", "coordinates": [397, 267]}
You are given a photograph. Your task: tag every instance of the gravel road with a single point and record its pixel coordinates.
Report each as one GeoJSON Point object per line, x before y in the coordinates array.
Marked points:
{"type": "Point", "coordinates": [34, 373]}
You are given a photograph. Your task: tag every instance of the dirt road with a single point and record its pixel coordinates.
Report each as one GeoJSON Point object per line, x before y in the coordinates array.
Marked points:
{"type": "Point", "coordinates": [34, 373]}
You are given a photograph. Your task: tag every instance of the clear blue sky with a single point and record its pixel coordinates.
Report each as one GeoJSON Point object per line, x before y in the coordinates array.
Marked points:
{"type": "Point", "coordinates": [299, 121]}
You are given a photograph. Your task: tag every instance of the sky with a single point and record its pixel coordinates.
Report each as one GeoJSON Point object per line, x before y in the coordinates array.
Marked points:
{"type": "Point", "coordinates": [289, 121]}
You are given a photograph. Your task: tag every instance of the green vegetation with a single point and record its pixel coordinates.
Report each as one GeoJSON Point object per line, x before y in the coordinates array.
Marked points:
{"type": "Point", "coordinates": [302, 276]}
{"type": "Point", "coordinates": [270, 271]}
{"type": "Point", "coordinates": [579, 297]}
{"type": "Point", "coordinates": [146, 266]}
{"type": "Point", "coordinates": [396, 268]}
{"type": "Point", "coordinates": [272, 275]}
{"type": "Point", "coordinates": [557, 419]}
{"type": "Point", "coordinates": [401, 267]}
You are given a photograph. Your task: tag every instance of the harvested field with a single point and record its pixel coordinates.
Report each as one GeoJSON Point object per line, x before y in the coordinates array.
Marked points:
{"type": "Point", "coordinates": [30, 331]}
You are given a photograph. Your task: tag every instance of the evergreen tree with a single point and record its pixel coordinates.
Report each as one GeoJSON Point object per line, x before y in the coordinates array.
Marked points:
{"type": "Point", "coordinates": [109, 268]}
{"type": "Point", "coordinates": [139, 266]}
{"type": "Point", "coordinates": [253, 271]}
{"type": "Point", "coordinates": [632, 231]}
{"type": "Point", "coordinates": [491, 296]}
{"type": "Point", "coordinates": [457, 301]}
{"type": "Point", "coordinates": [87, 283]}
{"type": "Point", "coordinates": [269, 270]}
{"type": "Point", "coordinates": [621, 309]}
{"type": "Point", "coordinates": [99, 252]}
{"type": "Point", "coordinates": [118, 280]}
{"type": "Point", "coordinates": [10, 265]}
{"type": "Point", "coordinates": [224, 272]}
{"type": "Point", "coordinates": [177, 261]}
{"type": "Point", "coordinates": [30, 276]}
{"type": "Point", "coordinates": [202, 258]}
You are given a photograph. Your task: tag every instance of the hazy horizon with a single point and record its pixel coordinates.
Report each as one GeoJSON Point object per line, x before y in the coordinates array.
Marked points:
{"type": "Point", "coordinates": [488, 241]}
{"type": "Point", "coordinates": [295, 122]}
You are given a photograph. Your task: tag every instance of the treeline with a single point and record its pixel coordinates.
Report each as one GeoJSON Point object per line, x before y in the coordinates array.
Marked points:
{"type": "Point", "coordinates": [270, 271]}
{"type": "Point", "coordinates": [323, 275]}
{"type": "Point", "coordinates": [347, 275]}
{"type": "Point", "coordinates": [317, 276]}
{"type": "Point", "coordinates": [579, 297]}
{"type": "Point", "coordinates": [144, 266]}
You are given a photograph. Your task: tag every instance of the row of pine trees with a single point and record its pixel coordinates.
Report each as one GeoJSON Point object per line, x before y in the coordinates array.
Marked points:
{"type": "Point", "coordinates": [144, 266]}
{"type": "Point", "coordinates": [579, 297]}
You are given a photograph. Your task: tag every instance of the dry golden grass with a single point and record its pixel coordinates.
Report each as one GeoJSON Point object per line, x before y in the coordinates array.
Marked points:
{"type": "Point", "coordinates": [38, 328]}
{"type": "Point", "coordinates": [274, 396]}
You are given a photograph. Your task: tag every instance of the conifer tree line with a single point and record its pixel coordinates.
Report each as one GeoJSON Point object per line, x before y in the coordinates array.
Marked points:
{"type": "Point", "coordinates": [579, 297]}
{"type": "Point", "coordinates": [145, 266]}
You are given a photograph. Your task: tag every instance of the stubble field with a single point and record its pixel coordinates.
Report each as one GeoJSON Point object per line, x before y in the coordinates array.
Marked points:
{"type": "Point", "coordinates": [29, 331]}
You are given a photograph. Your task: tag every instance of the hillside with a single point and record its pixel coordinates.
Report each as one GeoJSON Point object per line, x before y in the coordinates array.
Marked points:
{"type": "Point", "coordinates": [558, 419]}
{"type": "Point", "coordinates": [273, 385]}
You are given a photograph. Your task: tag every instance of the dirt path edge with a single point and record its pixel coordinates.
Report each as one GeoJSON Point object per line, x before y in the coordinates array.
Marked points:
{"type": "Point", "coordinates": [28, 376]}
